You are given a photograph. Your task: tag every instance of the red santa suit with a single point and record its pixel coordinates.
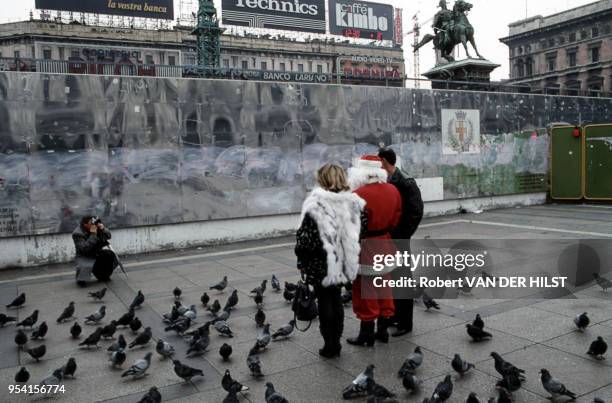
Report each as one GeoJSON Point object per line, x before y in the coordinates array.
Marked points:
{"type": "Point", "coordinates": [384, 210]}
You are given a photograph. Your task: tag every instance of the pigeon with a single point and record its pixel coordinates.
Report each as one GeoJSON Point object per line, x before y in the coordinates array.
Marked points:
{"type": "Point", "coordinates": [478, 322]}
{"type": "Point", "coordinates": [138, 300]}
{"type": "Point", "coordinates": [186, 372]}
{"type": "Point", "coordinates": [476, 333]}
{"type": "Point", "coordinates": [598, 400]}
{"type": "Point", "coordinates": [582, 321]}
{"type": "Point", "coordinates": [172, 316]}
{"type": "Point", "coordinates": [412, 362]}
{"type": "Point", "coordinates": [214, 308]}
{"type": "Point", "coordinates": [4, 319]}
{"type": "Point", "coordinates": [121, 344]}
{"type": "Point", "coordinates": [285, 331]}
{"type": "Point", "coordinates": [225, 351]}
{"type": "Point", "coordinates": [603, 282]}
{"type": "Point", "coordinates": [598, 348]}
{"type": "Point", "coordinates": [177, 292]}
{"type": "Point", "coordinates": [180, 326]}
{"type": "Point", "coordinates": [152, 396]}
{"type": "Point", "coordinates": [30, 321]}
{"type": "Point", "coordinates": [75, 330]}
{"type": "Point", "coordinates": [261, 289]}
{"type": "Point", "coordinates": [92, 339]}
{"type": "Point", "coordinates": [232, 301]}
{"type": "Point", "coordinates": [411, 383]}
{"type": "Point", "coordinates": [139, 368]}
{"type": "Point", "coordinates": [21, 339]}
{"type": "Point", "coordinates": [275, 284]}
{"type": "Point", "coordinates": [68, 313]}
{"type": "Point", "coordinates": [443, 391]}
{"type": "Point", "coordinates": [554, 386]}
{"type": "Point", "coordinates": [377, 391]}
{"type": "Point", "coordinates": [220, 286]}
{"type": "Point", "coordinates": [191, 313]}
{"type": "Point", "coordinates": [260, 318]}
{"type": "Point", "coordinates": [201, 331]}
{"type": "Point", "coordinates": [472, 398]}
{"type": "Point", "coordinates": [358, 388]}
{"type": "Point", "coordinates": [142, 339]}
{"type": "Point", "coordinates": [460, 366]}
{"type": "Point", "coordinates": [126, 318]}
{"type": "Point", "coordinates": [52, 380]}
{"type": "Point", "coordinates": [37, 352]}
{"type": "Point", "coordinates": [40, 331]}
{"type": "Point", "coordinates": [69, 368]}
{"type": "Point", "coordinates": [96, 317]}
{"type": "Point", "coordinates": [503, 396]}
{"type": "Point", "coordinates": [290, 286]}
{"type": "Point", "coordinates": [258, 299]}
{"type": "Point", "coordinates": [429, 302]}
{"type": "Point", "coordinates": [164, 349]}
{"type": "Point", "coordinates": [229, 383]}
{"type": "Point", "coordinates": [98, 295]}
{"type": "Point", "coordinates": [224, 315]}
{"type": "Point", "coordinates": [109, 330]}
{"type": "Point", "coordinates": [232, 395]}
{"type": "Point", "coordinates": [198, 344]}
{"type": "Point", "coordinates": [272, 396]}
{"type": "Point", "coordinates": [504, 368]}
{"type": "Point", "coordinates": [288, 295]}
{"type": "Point", "coordinates": [204, 299]}
{"type": "Point", "coordinates": [135, 325]}
{"type": "Point", "coordinates": [264, 338]}
{"type": "Point", "coordinates": [18, 302]}
{"type": "Point", "coordinates": [254, 363]}
{"type": "Point", "coordinates": [511, 382]}
{"type": "Point", "coordinates": [22, 376]}
{"type": "Point", "coordinates": [117, 358]}
{"type": "Point", "coordinates": [181, 308]}
{"type": "Point", "coordinates": [223, 328]}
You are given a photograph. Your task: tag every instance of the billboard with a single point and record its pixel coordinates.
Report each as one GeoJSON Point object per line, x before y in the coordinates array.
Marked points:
{"type": "Point", "coordinates": [361, 19]}
{"type": "Point", "coordinates": [161, 9]}
{"type": "Point", "coordinates": [289, 15]}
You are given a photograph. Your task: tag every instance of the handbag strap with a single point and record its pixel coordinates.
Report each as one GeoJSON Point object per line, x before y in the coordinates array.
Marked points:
{"type": "Point", "coordinates": [298, 328]}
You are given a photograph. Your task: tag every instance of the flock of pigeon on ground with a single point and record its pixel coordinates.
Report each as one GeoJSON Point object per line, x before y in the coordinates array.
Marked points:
{"type": "Point", "coordinates": [181, 318]}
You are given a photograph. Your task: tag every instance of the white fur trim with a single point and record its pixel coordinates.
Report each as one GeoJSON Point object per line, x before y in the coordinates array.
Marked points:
{"type": "Point", "coordinates": [368, 164]}
{"type": "Point", "coordinates": [358, 177]}
{"type": "Point", "coordinates": [338, 218]}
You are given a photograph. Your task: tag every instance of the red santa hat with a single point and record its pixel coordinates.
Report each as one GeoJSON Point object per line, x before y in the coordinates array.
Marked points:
{"type": "Point", "coordinates": [367, 170]}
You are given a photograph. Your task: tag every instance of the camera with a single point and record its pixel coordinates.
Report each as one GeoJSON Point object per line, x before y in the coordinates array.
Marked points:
{"type": "Point", "coordinates": [96, 220]}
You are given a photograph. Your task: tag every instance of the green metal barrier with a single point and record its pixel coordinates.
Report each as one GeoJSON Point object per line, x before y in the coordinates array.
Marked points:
{"type": "Point", "coordinates": [598, 162]}
{"type": "Point", "coordinates": [566, 165]}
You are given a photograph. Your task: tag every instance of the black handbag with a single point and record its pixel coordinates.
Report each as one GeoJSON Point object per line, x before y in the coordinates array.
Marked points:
{"type": "Point", "coordinates": [304, 305]}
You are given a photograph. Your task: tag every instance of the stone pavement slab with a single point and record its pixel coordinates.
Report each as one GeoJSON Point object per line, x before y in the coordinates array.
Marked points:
{"type": "Point", "coordinates": [529, 323]}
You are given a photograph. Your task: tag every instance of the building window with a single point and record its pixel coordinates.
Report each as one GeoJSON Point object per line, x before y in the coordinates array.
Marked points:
{"type": "Point", "coordinates": [17, 54]}
{"type": "Point", "coordinates": [552, 63]}
{"type": "Point", "coordinates": [235, 61]}
{"type": "Point", "coordinates": [74, 53]}
{"type": "Point", "coordinates": [47, 54]}
{"type": "Point", "coordinates": [172, 60]}
{"type": "Point", "coordinates": [162, 58]}
{"type": "Point", "coordinates": [529, 68]}
{"type": "Point", "coordinates": [594, 32]}
{"type": "Point", "coordinates": [319, 69]}
{"type": "Point", "coordinates": [61, 53]}
{"type": "Point", "coordinates": [542, 45]}
{"type": "Point", "coordinates": [571, 59]}
{"type": "Point", "coordinates": [520, 50]}
{"type": "Point", "coordinates": [300, 67]}
{"type": "Point", "coordinates": [282, 67]}
{"type": "Point", "coordinates": [245, 65]}
{"type": "Point", "coordinates": [572, 37]}
{"type": "Point", "coordinates": [561, 40]}
{"type": "Point", "coordinates": [226, 63]}
{"type": "Point", "coordinates": [33, 52]}
{"type": "Point", "coordinates": [264, 65]}
{"type": "Point", "coordinates": [520, 69]}
{"type": "Point", "coordinates": [583, 34]}
{"type": "Point", "coordinates": [595, 55]}
{"type": "Point", "coordinates": [149, 59]}
{"type": "Point", "coordinates": [551, 42]}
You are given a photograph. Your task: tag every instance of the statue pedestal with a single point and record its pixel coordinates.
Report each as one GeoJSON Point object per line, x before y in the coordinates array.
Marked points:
{"type": "Point", "coordinates": [468, 74]}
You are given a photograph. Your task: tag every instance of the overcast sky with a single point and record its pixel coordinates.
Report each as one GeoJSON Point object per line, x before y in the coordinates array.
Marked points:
{"type": "Point", "coordinates": [489, 17]}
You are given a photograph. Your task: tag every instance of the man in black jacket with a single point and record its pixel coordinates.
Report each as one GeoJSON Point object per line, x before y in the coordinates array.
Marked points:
{"type": "Point", "coordinates": [90, 239]}
{"type": "Point", "coordinates": [412, 214]}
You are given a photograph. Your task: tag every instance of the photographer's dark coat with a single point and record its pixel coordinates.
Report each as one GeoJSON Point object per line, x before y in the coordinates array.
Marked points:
{"type": "Point", "coordinates": [87, 247]}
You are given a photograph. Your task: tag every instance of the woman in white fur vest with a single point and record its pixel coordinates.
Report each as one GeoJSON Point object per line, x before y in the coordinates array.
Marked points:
{"type": "Point", "coordinates": [327, 248]}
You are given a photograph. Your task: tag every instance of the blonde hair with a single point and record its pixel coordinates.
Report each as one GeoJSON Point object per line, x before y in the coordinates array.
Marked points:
{"type": "Point", "coordinates": [333, 178]}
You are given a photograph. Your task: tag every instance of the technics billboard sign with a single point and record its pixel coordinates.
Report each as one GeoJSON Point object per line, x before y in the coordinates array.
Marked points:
{"type": "Point", "coordinates": [291, 15]}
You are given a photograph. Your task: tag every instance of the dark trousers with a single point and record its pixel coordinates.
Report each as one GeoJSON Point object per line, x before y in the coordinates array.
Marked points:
{"type": "Point", "coordinates": [331, 314]}
{"type": "Point", "coordinates": [106, 261]}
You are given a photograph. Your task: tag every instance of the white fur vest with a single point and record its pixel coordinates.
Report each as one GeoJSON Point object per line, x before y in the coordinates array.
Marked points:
{"type": "Point", "coordinates": [338, 218]}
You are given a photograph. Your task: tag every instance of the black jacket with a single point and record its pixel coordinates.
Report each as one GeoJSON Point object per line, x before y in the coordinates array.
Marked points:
{"type": "Point", "coordinates": [88, 245]}
{"type": "Point", "coordinates": [412, 204]}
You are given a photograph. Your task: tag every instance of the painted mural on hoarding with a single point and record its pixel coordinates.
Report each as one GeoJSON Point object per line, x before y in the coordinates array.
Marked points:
{"type": "Point", "coordinates": [159, 9]}
{"type": "Point", "coordinates": [288, 15]}
{"type": "Point", "coordinates": [140, 150]}
{"type": "Point", "coordinates": [460, 131]}
{"type": "Point", "coordinates": [361, 19]}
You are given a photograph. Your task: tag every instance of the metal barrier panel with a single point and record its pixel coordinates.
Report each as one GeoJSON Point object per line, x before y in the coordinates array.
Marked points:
{"type": "Point", "coordinates": [566, 164]}
{"type": "Point", "coordinates": [598, 162]}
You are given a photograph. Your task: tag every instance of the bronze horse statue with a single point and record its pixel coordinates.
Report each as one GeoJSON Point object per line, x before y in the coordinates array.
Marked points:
{"type": "Point", "coordinates": [451, 29]}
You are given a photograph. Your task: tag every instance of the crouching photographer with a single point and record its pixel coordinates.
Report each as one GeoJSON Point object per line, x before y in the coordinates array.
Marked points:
{"type": "Point", "coordinates": [93, 253]}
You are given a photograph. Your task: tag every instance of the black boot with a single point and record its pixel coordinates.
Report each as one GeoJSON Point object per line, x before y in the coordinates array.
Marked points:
{"type": "Point", "coordinates": [366, 335]}
{"type": "Point", "coordinates": [382, 325]}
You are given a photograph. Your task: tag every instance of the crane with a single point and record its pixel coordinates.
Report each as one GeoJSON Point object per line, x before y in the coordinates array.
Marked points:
{"type": "Point", "coordinates": [416, 31]}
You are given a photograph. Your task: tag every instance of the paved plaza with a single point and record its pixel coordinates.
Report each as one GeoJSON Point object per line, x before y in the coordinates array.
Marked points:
{"type": "Point", "coordinates": [532, 334]}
